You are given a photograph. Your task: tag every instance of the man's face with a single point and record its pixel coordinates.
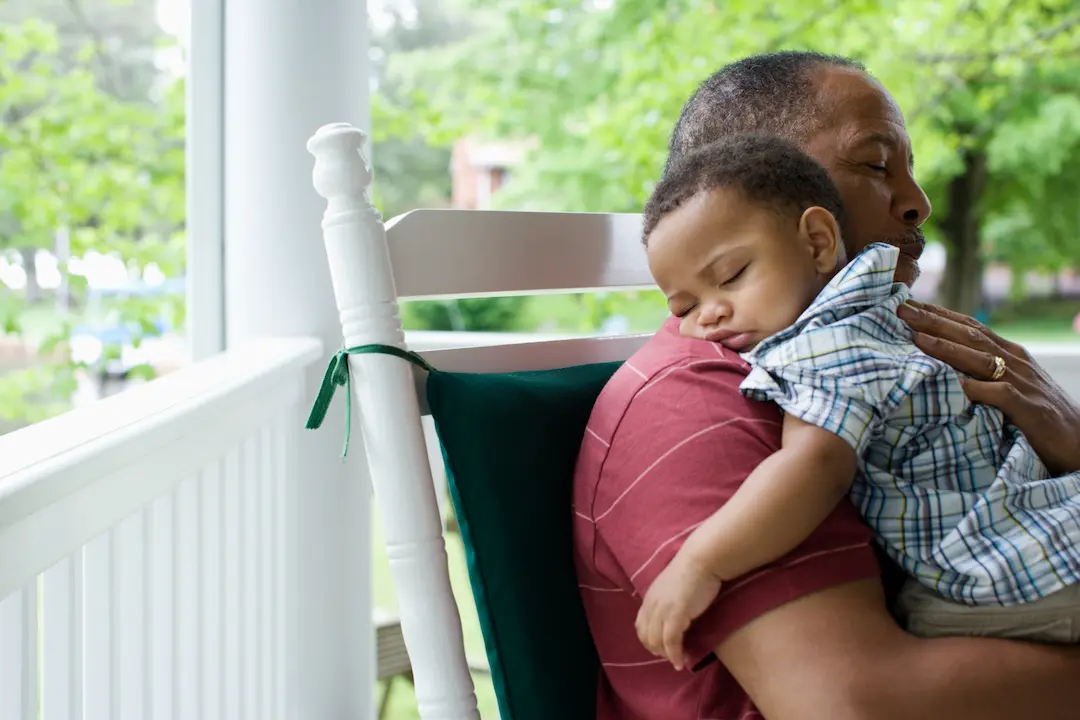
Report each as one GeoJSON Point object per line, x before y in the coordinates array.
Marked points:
{"type": "Point", "coordinates": [864, 145]}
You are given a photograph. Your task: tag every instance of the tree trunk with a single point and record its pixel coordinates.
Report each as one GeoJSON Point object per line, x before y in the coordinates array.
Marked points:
{"type": "Point", "coordinates": [33, 289]}
{"type": "Point", "coordinates": [961, 287]}
{"type": "Point", "coordinates": [62, 248]}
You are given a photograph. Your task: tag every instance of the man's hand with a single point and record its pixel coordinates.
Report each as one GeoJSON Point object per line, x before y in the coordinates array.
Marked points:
{"type": "Point", "coordinates": [1026, 394]}
{"type": "Point", "coordinates": [681, 592]}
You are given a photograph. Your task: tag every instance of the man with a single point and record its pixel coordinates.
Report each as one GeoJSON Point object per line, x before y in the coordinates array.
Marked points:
{"type": "Point", "coordinates": [671, 438]}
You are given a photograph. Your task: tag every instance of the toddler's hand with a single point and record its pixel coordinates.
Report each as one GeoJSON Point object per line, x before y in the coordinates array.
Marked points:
{"type": "Point", "coordinates": [680, 593]}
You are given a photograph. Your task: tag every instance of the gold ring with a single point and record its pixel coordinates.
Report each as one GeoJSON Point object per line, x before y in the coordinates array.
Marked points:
{"type": "Point", "coordinates": [999, 368]}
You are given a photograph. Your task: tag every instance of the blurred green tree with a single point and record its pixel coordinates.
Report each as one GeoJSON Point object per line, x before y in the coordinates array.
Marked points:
{"type": "Point", "coordinates": [412, 172]}
{"type": "Point", "coordinates": [106, 172]}
{"type": "Point", "coordinates": [994, 109]}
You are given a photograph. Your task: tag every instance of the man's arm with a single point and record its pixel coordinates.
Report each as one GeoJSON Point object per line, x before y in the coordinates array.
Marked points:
{"type": "Point", "coordinates": [782, 501]}
{"type": "Point", "coordinates": [838, 655]}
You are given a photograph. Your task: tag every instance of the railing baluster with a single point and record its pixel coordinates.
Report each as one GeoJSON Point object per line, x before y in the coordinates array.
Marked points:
{"type": "Point", "coordinates": [249, 650]}
{"type": "Point", "coordinates": [18, 654]}
{"type": "Point", "coordinates": [233, 630]}
{"type": "Point", "coordinates": [130, 603]}
{"type": "Point", "coordinates": [187, 594]}
{"type": "Point", "coordinates": [76, 629]}
{"type": "Point", "coordinates": [161, 608]}
{"type": "Point", "coordinates": [285, 469]}
{"type": "Point", "coordinates": [99, 653]}
{"type": "Point", "coordinates": [267, 558]}
{"type": "Point", "coordinates": [30, 638]}
{"type": "Point", "coordinates": [60, 605]}
{"type": "Point", "coordinates": [213, 589]}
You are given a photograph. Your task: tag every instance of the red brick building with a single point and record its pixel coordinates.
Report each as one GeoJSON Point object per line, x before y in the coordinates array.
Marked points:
{"type": "Point", "coordinates": [479, 168]}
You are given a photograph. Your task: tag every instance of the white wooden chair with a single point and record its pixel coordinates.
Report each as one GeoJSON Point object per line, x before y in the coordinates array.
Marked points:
{"type": "Point", "coordinates": [431, 254]}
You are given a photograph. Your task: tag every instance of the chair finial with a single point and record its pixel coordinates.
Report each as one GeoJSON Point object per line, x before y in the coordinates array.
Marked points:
{"type": "Point", "coordinates": [341, 170]}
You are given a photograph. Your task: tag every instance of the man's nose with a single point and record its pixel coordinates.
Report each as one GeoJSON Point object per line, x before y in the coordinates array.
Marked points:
{"type": "Point", "coordinates": [910, 204]}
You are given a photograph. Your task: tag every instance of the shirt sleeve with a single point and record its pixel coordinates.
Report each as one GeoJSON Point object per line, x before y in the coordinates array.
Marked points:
{"type": "Point", "coordinates": [686, 443]}
{"type": "Point", "coordinates": [843, 377]}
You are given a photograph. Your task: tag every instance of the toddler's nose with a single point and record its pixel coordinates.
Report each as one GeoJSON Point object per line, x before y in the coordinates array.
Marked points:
{"type": "Point", "coordinates": [712, 313]}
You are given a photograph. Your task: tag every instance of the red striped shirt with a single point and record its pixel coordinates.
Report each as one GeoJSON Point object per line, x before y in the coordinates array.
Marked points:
{"type": "Point", "coordinates": [669, 440]}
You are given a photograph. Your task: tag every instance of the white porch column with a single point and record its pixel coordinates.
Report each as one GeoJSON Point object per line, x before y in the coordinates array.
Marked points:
{"type": "Point", "coordinates": [291, 66]}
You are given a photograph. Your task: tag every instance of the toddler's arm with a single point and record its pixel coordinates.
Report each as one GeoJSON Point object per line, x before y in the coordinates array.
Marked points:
{"type": "Point", "coordinates": [781, 502]}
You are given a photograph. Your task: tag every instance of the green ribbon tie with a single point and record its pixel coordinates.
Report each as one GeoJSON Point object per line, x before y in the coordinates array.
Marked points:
{"type": "Point", "coordinates": [337, 374]}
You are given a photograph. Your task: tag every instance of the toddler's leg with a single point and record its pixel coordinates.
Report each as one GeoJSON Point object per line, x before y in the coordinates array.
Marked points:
{"type": "Point", "coordinates": [1053, 619]}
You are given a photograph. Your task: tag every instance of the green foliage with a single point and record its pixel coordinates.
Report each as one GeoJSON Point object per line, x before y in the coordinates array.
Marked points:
{"type": "Point", "coordinates": [588, 312]}
{"type": "Point", "coordinates": [37, 392]}
{"type": "Point", "coordinates": [1031, 217]}
{"type": "Point", "coordinates": [471, 314]}
{"type": "Point", "coordinates": [409, 174]}
{"type": "Point", "coordinates": [109, 170]}
{"type": "Point", "coordinates": [411, 135]}
{"type": "Point", "coordinates": [600, 84]}
{"type": "Point", "coordinates": [409, 171]}
{"type": "Point", "coordinates": [74, 156]}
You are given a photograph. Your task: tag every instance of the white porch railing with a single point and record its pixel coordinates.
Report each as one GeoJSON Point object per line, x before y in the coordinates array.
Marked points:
{"type": "Point", "coordinates": [145, 547]}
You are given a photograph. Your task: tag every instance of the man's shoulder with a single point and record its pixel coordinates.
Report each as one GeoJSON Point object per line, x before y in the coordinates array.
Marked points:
{"type": "Point", "coordinates": [666, 353]}
{"type": "Point", "coordinates": [672, 389]}
{"type": "Point", "coordinates": [667, 346]}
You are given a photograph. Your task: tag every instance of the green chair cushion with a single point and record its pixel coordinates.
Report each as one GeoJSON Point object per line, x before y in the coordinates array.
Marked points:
{"type": "Point", "coordinates": [510, 441]}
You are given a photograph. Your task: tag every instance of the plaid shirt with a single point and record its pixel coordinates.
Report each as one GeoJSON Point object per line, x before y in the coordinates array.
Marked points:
{"type": "Point", "coordinates": [956, 495]}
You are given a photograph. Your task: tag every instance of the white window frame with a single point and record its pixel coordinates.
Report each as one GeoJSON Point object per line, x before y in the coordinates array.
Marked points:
{"type": "Point", "coordinates": [205, 202]}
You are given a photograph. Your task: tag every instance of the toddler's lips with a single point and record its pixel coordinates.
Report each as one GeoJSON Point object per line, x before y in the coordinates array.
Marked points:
{"type": "Point", "coordinates": [736, 341]}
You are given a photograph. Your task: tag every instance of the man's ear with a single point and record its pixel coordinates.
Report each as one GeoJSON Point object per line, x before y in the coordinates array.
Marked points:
{"type": "Point", "coordinates": [821, 233]}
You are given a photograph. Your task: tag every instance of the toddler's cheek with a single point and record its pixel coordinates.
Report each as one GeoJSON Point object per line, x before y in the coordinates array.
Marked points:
{"type": "Point", "coordinates": [689, 328]}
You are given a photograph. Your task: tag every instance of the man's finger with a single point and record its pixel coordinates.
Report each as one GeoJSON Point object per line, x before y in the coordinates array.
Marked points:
{"type": "Point", "coordinates": [950, 325]}
{"type": "Point", "coordinates": [976, 363]}
{"type": "Point", "coordinates": [1009, 346]}
{"type": "Point", "coordinates": [948, 314]}
{"type": "Point", "coordinates": [1012, 348]}
{"type": "Point", "coordinates": [946, 328]}
{"type": "Point", "coordinates": [996, 393]}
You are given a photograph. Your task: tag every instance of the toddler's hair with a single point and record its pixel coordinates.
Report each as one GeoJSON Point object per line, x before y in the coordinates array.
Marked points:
{"type": "Point", "coordinates": [766, 170]}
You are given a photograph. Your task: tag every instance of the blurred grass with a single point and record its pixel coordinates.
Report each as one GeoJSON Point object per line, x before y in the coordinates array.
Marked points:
{"type": "Point", "coordinates": [1041, 330]}
{"type": "Point", "coordinates": [1037, 320]}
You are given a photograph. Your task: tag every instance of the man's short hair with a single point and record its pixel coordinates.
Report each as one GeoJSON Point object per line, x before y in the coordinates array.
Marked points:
{"type": "Point", "coordinates": [769, 94]}
{"type": "Point", "coordinates": [767, 170]}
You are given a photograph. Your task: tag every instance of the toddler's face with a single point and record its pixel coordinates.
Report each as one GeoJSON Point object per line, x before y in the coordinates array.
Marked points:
{"type": "Point", "coordinates": [736, 272]}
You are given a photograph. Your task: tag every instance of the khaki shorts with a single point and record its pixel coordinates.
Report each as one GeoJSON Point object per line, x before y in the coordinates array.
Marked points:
{"type": "Point", "coordinates": [1052, 619]}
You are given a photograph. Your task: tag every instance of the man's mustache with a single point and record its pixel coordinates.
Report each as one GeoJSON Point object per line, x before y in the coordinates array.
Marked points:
{"type": "Point", "coordinates": [912, 243]}
{"type": "Point", "coordinates": [912, 237]}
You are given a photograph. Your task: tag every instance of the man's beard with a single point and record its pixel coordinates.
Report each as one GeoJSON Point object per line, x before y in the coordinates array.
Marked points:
{"type": "Point", "coordinates": [911, 244]}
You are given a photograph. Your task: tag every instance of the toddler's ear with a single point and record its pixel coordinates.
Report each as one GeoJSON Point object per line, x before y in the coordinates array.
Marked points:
{"type": "Point", "coordinates": [821, 233]}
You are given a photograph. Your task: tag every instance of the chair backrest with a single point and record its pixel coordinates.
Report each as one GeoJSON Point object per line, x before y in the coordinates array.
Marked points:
{"type": "Point", "coordinates": [431, 254]}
